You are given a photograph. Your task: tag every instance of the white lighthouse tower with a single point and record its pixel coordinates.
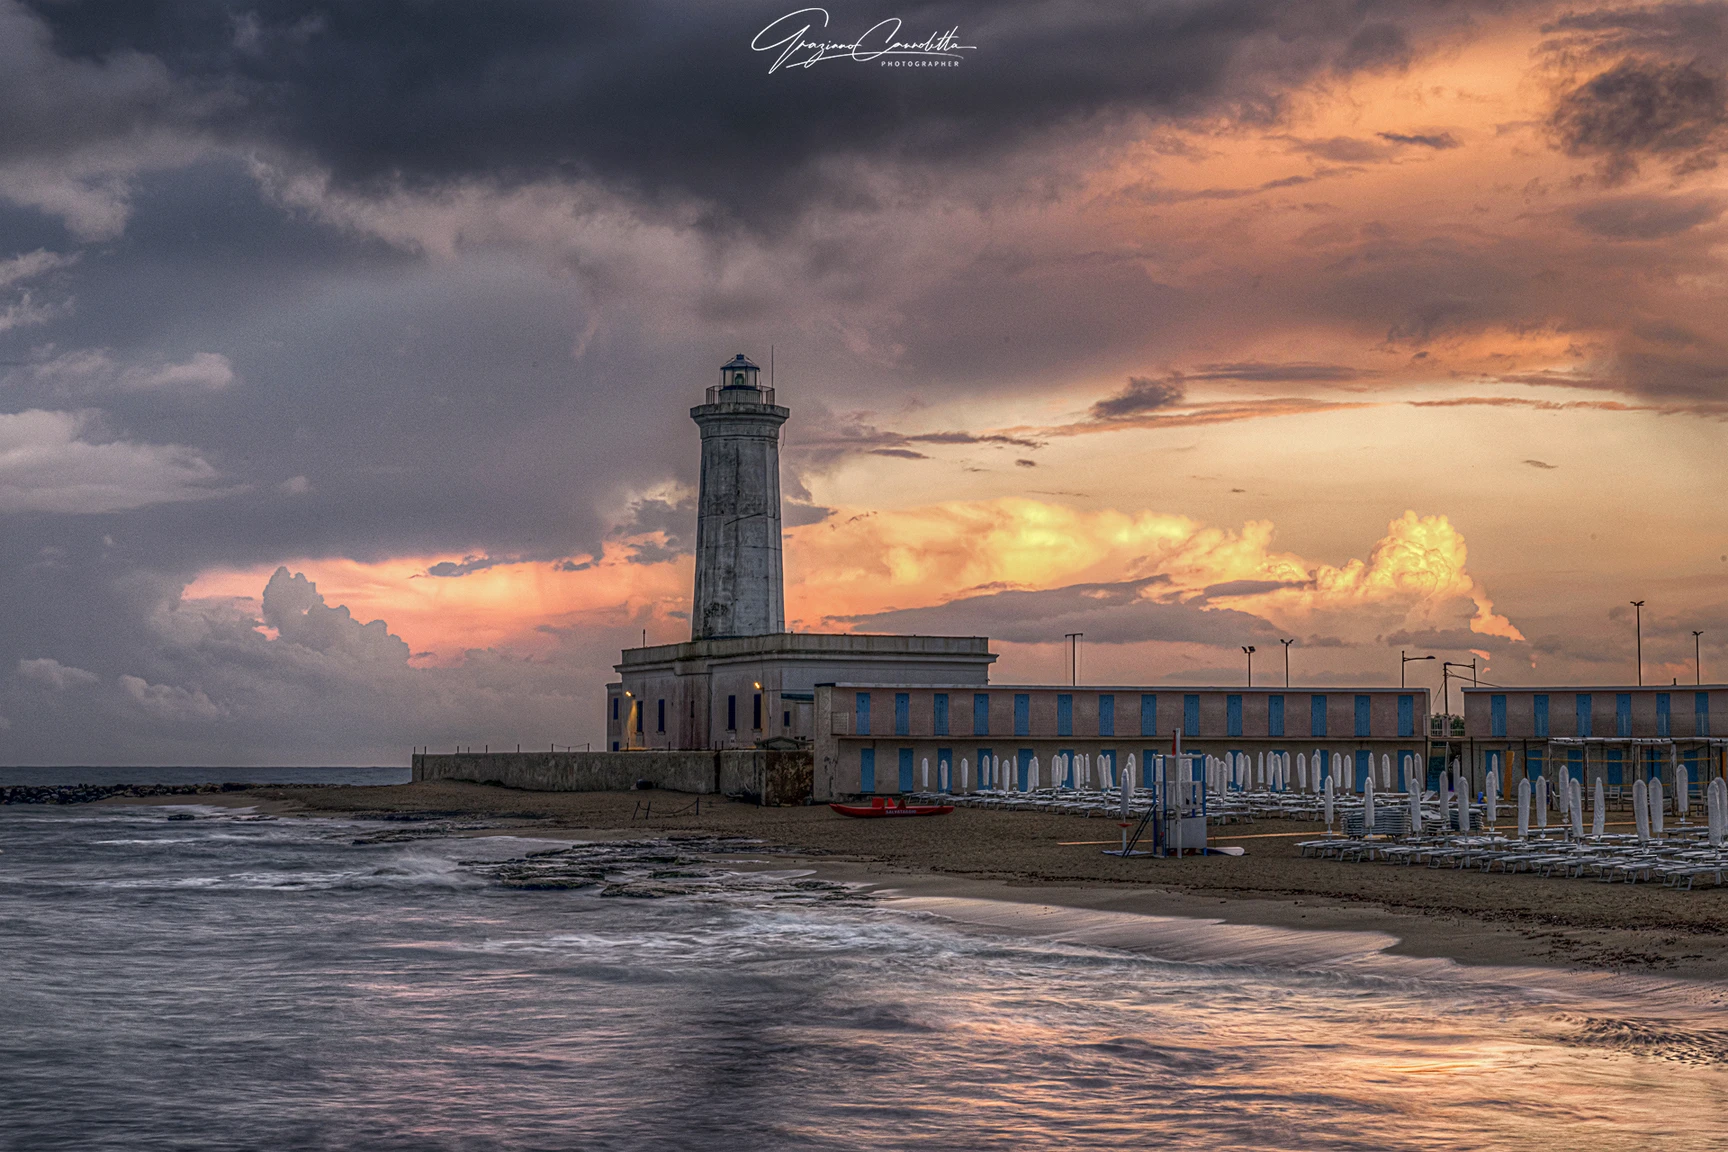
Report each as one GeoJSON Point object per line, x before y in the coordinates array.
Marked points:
{"type": "Point", "coordinates": [739, 579]}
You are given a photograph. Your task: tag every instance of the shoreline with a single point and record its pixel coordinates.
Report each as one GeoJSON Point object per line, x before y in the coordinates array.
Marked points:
{"type": "Point", "coordinates": [1039, 858]}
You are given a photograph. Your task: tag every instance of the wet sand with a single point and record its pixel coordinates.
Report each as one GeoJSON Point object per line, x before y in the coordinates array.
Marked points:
{"type": "Point", "coordinates": [1040, 858]}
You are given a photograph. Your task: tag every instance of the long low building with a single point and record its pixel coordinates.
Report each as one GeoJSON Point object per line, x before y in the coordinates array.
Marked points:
{"type": "Point", "coordinates": [1616, 733]}
{"type": "Point", "coordinates": [873, 739]}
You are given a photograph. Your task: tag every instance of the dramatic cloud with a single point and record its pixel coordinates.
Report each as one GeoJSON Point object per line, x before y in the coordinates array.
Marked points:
{"type": "Point", "coordinates": [50, 463]}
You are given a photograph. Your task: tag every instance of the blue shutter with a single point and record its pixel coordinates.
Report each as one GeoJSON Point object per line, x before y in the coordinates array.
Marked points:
{"type": "Point", "coordinates": [1662, 714]}
{"type": "Point", "coordinates": [981, 714]}
{"type": "Point", "coordinates": [867, 769]}
{"type": "Point", "coordinates": [862, 727]}
{"type": "Point", "coordinates": [1406, 717]}
{"type": "Point", "coordinates": [1623, 714]}
{"type": "Point", "coordinates": [1317, 716]}
{"type": "Point", "coordinates": [1022, 714]}
{"type": "Point", "coordinates": [1364, 766]}
{"type": "Point", "coordinates": [941, 710]}
{"type": "Point", "coordinates": [1616, 767]}
{"type": "Point", "coordinates": [907, 784]}
{"type": "Point", "coordinates": [1542, 717]}
{"type": "Point", "coordinates": [1191, 715]}
{"type": "Point", "coordinates": [1149, 714]}
{"type": "Point", "coordinates": [1064, 714]}
{"type": "Point", "coordinates": [1106, 715]}
{"type": "Point", "coordinates": [1023, 764]}
{"type": "Point", "coordinates": [1701, 713]}
{"type": "Point", "coordinates": [902, 713]}
{"type": "Point", "coordinates": [1274, 715]}
{"type": "Point", "coordinates": [1497, 715]}
{"type": "Point", "coordinates": [1232, 715]}
{"type": "Point", "coordinates": [1363, 712]}
{"type": "Point", "coordinates": [1584, 718]}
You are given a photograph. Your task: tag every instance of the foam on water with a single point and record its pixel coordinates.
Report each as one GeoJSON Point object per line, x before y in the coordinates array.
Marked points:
{"type": "Point", "coordinates": [298, 984]}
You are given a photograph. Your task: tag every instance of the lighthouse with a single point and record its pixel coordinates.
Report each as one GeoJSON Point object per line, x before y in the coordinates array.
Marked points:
{"type": "Point", "coordinates": [739, 577]}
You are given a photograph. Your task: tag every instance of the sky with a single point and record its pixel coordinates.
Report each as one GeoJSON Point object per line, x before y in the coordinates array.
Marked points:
{"type": "Point", "coordinates": [346, 350]}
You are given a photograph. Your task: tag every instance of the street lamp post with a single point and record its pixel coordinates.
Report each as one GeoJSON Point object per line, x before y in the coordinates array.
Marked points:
{"type": "Point", "coordinates": [1249, 649]}
{"type": "Point", "coordinates": [1403, 660]}
{"type": "Point", "coordinates": [1697, 664]}
{"type": "Point", "coordinates": [1638, 624]}
{"type": "Point", "coordinates": [1073, 639]}
{"type": "Point", "coordinates": [1287, 644]}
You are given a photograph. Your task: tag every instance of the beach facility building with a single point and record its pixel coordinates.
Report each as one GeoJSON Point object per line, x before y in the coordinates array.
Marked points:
{"type": "Point", "coordinates": [1616, 734]}
{"type": "Point", "coordinates": [879, 738]}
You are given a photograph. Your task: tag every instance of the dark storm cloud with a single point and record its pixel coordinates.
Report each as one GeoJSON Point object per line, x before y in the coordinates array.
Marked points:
{"type": "Point", "coordinates": [669, 100]}
{"type": "Point", "coordinates": [1115, 613]}
{"type": "Point", "coordinates": [1439, 141]}
{"type": "Point", "coordinates": [1647, 217]}
{"type": "Point", "coordinates": [1142, 395]}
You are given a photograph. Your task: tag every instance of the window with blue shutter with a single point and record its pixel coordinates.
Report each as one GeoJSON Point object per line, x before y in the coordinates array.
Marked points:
{"type": "Point", "coordinates": [1317, 716]}
{"type": "Point", "coordinates": [1584, 718]}
{"type": "Point", "coordinates": [941, 713]}
{"type": "Point", "coordinates": [867, 769]}
{"type": "Point", "coordinates": [1701, 713]}
{"type": "Point", "coordinates": [1274, 715]}
{"type": "Point", "coordinates": [1496, 716]}
{"type": "Point", "coordinates": [1149, 714]}
{"type": "Point", "coordinates": [1406, 716]}
{"type": "Point", "coordinates": [1191, 715]}
{"type": "Point", "coordinates": [1662, 714]}
{"type": "Point", "coordinates": [862, 726]}
{"type": "Point", "coordinates": [1022, 714]}
{"type": "Point", "coordinates": [1542, 716]}
{"type": "Point", "coordinates": [980, 714]}
{"type": "Point", "coordinates": [902, 713]}
{"type": "Point", "coordinates": [1232, 715]}
{"type": "Point", "coordinates": [1363, 711]}
{"type": "Point", "coordinates": [1623, 714]}
{"type": "Point", "coordinates": [1064, 714]}
{"type": "Point", "coordinates": [1106, 715]}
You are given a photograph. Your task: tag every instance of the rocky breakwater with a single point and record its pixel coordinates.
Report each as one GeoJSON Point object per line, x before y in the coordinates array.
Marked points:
{"type": "Point", "coordinates": [89, 793]}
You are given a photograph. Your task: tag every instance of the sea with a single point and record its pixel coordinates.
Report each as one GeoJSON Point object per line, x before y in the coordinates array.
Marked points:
{"type": "Point", "coordinates": [195, 977]}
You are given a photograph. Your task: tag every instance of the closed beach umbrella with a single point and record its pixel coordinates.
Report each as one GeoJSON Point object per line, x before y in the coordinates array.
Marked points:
{"type": "Point", "coordinates": [1464, 809]}
{"type": "Point", "coordinates": [964, 766]}
{"type": "Point", "coordinates": [1127, 792]}
{"type": "Point", "coordinates": [1415, 812]}
{"type": "Point", "coordinates": [1368, 806]}
{"type": "Point", "coordinates": [1385, 772]}
{"type": "Point", "coordinates": [1542, 802]}
{"type": "Point", "coordinates": [1128, 770]}
{"type": "Point", "coordinates": [1576, 806]}
{"type": "Point", "coordinates": [1445, 801]}
{"type": "Point", "coordinates": [1682, 791]}
{"type": "Point", "coordinates": [1656, 810]}
{"type": "Point", "coordinates": [1563, 791]}
{"type": "Point", "coordinates": [944, 778]}
{"type": "Point", "coordinates": [1034, 774]}
{"type": "Point", "coordinates": [926, 773]}
{"type": "Point", "coordinates": [1328, 805]}
{"type": "Point", "coordinates": [1598, 809]}
{"type": "Point", "coordinates": [1491, 799]}
{"type": "Point", "coordinates": [1523, 808]}
{"type": "Point", "coordinates": [1641, 809]}
{"type": "Point", "coordinates": [1302, 771]}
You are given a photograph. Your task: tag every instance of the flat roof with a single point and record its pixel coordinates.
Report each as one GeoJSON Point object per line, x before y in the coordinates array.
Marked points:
{"type": "Point", "coordinates": [1319, 691]}
{"type": "Point", "coordinates": [1599, 688]}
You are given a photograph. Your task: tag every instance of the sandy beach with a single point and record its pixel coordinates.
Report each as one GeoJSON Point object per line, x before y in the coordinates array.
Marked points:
{"type": "Point", "coordinates": [1040, 858]}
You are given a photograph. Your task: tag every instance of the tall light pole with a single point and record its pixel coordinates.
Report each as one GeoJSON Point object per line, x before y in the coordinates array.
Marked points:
{"type": "Point", "coordinates": [1249, 649]}
{"type": "Point", "coordinates": [1287, 644]}
{"type": "Point", "coordinates": [1697, 664]}
{"type": "Point", "coordinates": [1638, 624]}
{"type": "Point", "coordinates": [1073, 639]}
{"type": "Point", "coordinates": [1403, 660]}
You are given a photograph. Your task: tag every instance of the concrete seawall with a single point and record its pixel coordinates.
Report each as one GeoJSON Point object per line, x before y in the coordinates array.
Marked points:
{"type": "Point", "coordinates": [767, 777]}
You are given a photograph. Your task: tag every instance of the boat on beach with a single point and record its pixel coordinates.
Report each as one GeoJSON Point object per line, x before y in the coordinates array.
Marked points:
{"type": "Point", "coordinates": [879, 807]}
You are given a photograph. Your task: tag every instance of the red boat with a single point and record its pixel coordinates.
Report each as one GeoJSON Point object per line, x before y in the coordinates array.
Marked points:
{"type": "Point", "coordinates": [879, 806]}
